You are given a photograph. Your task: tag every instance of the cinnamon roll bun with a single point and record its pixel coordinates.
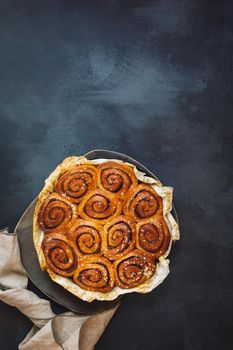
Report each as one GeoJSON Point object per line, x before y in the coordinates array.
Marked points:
{"type": "Point", "coordinates": [95, 274]}
{"type": "Point", "coordinates": [116, 177]}
{"type": "Point", "coordinates": [142, 203]}
{"type": "Point", "coordinates": [56, 214]}
{"type": "Point", "coordinates": [153, 237]}
{"type": "Point", "coordinates": [75, 183]}
{"type": "Point", "coordinates": [100, 206]}
{"type": "Point", "coordinates": [59, 254]}
{"type": "Point", "coordinates": [133, 269]}
{"type": "Point", "coordinates": [119, 238]}
{"type": "Point", "coordinates": [86, 237]}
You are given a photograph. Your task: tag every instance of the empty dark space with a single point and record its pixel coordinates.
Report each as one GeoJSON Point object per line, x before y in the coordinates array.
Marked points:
{"type": "Point", "coordinates": [153, 80]}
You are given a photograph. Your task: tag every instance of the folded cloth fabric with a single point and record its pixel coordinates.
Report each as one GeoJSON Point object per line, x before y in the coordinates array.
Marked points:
{"type": "Point", "coordinates": [66, 331]}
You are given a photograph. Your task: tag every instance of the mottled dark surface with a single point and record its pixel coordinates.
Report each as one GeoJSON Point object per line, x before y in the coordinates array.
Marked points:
{"type": "Point", "coordinates": [152, 79]}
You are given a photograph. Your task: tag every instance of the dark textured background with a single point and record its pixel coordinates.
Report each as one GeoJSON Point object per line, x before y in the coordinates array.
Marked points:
{"type": "Point", "coordinates": [151, 79]}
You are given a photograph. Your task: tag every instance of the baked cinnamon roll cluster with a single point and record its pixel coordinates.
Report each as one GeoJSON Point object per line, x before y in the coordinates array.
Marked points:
{"type": "Point", "coordinates": [103, 227]}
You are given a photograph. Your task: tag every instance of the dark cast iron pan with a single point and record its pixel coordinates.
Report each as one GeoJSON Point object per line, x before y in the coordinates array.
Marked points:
{"type": "Point", "coordinates": [41, 278]}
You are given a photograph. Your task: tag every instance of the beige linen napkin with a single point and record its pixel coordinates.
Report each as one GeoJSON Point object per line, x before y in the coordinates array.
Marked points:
{"type": "Point", "coordinates": [66, 331]}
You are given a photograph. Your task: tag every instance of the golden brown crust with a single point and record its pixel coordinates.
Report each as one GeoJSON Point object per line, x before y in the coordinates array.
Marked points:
{"type": "Point", "coordinates": [95, 274]}
{"type": "Point", "coordinates": [56, 214]}
{"type": "Point", "coordinates": [153, 237]}
{"type": "Point", "coordinates": [133, 269]}
{"type": "Point", "coordinates": [59, 254]}
{"type": "Point", "coordinates": [100, 206]}
{"type": "Point", "coordinates": [116, 178]}
{"type": "Point", "coordinates": [119, 238]}
{"type": "Point", "coordinates": [142, 203]}
{"type": "Point", "coordinates": [86, 237]}
{"type": "Point", "coordinates": [77, 182]}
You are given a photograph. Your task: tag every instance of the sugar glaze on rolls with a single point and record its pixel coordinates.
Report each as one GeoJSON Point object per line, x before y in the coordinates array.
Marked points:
{"type": "Point", "coordinates": [59, 254]}
{"type": "Point", "coordinates": [56, 214]}
{"type": "Point", "coordinates": [153, 237]}
{"type": "Point", "coordinates": [102, 228]}
{"type": "Point", "coordinates": [133, 269]}
{"type": "Point", "coordinates": [95, 274]}
{"type": "Point", "coordinates": [100, 206]}
{"type": "Point", "coordinates": [75, 183]}
{"type": "Point", "coordinates": [116, 177]}
{"type": "Point", "coordinates": [142, 203]}
{"type": "Point", "coordinates": [119, 238]}
{"type": "Point", "coordinates": [86, 237]}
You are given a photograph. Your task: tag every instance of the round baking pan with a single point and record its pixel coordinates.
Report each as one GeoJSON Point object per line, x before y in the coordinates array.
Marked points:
{"type": "Point", "coordinates": [41, 278]}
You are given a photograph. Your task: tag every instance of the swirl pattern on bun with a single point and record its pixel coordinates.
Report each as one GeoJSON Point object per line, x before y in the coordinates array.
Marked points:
{"type": "Point", "coordinates": [95, 274]}
{"type": "Point", "coordinates": [153, 237]}
{"type": "Point", "coordinates": [142, 203]}
{"type": "Point", "coordinates": [86, 237]}
{"type": "Point", "coordinates": [100, 206]}
{"type": "Point", "coordinates": [56, 214]}
{"type": "Point", "coordinates": [116, 177]}
{"type": "Point", "coordinates": [77, 182]}
{"type": "Point", "coordinates": [133, 269]}
{"type": "Point", "coordinates": [119, 238]}
{"type": "Point", "coordinates": [59, 254]}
